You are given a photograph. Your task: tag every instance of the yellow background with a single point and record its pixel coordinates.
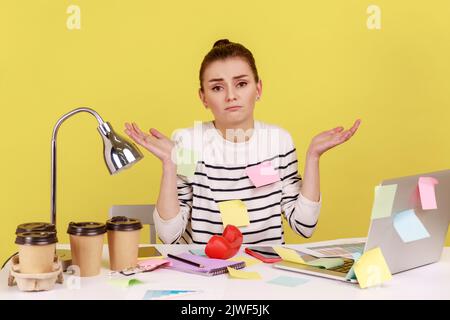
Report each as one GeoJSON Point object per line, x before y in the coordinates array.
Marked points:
{"type": "Point", "coordinates": [139, 60]}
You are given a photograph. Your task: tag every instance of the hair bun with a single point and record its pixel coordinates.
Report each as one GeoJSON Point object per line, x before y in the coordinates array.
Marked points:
{"type": "Point", "coordinates": [221, 42]}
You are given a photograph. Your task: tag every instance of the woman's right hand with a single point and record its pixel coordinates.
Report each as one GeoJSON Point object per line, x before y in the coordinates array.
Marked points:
{"type": "Point", "coordinates": [155, 142]}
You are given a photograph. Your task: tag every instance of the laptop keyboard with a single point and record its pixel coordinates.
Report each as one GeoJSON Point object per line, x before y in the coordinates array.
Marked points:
{"type": "Point", "coordinates": [345, 268]}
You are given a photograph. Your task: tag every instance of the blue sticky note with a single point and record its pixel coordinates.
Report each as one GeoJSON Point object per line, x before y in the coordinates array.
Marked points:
{"type": "Point", "coordinates": [409, 227]}
{"type": "Point", "coordinates": [288, 281]}
{"type": "Point", "coordinates": [351, 274]}
{"type": "Point", "coordinates": [160, 294]}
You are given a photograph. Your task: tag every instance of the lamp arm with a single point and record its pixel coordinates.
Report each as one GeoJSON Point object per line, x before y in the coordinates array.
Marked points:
{"type": "Point", "coordinates": [53, 161]}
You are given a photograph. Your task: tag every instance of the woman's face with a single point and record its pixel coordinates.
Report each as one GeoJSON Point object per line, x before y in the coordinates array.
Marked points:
{"type": "Point", "coordinates": [230, 90]}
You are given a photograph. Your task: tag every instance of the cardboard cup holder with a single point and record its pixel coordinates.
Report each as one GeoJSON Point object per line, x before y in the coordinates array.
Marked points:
{"type": "Point", "coordinates": [35, 281]}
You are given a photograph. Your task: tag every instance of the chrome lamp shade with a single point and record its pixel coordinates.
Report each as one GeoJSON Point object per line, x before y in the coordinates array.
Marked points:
{"type": "Point", "coordinates": [119, 153]}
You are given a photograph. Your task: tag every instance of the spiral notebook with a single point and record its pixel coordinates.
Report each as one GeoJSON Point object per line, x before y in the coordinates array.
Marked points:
{"type": "Point", "coordinates": [211, 267]}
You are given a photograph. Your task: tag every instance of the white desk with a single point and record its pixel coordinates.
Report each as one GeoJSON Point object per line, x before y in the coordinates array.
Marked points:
{"type": "Point", "coordinates": [428, 282]}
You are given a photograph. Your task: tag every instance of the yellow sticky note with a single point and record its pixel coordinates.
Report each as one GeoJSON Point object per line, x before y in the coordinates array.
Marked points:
{"type": "Point", "coordinates": [234, 212]}
{"type": "Point", "coordinates": [239, 274]}
{"type": "Point", "coordinates": [371, 269]}
{"type": "Point", "coordinates": [248, 261]}
{"type": "Point", "coordinates": [289, 255]}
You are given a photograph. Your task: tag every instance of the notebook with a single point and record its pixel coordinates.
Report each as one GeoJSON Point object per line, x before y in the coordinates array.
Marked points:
{"type": "Point", "coordinates": [211, 267]}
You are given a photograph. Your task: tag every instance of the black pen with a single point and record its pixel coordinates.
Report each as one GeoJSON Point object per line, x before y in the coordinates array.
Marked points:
{"type": "Point", "coordinates": [185, 260]}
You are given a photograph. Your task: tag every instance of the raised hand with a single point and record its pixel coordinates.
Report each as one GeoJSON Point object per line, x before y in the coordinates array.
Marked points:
{"type": "Point", "coordinates": [329, 139]}
{"type": "Point", "coordinates": [155, 142]}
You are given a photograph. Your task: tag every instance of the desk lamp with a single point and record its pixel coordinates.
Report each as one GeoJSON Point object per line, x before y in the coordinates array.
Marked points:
{"type": "Point", "coordinates": [119, 154]}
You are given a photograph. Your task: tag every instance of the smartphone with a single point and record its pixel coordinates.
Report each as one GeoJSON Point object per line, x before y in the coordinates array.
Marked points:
{"type": "Point", "coordinates": [148, 252]}
{"type": "Point", "coordinates": [265, 254]}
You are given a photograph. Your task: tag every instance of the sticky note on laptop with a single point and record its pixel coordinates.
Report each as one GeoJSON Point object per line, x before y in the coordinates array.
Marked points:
{"type": "Point", "coordinates": [326, 263]}
{"type": "Point", "coordinates": [262, 174]}
{"type": "Point", "coordinates": [351, 274]}
{"type": "Point", "coordinates": [292, 256]}
{"type": "Point", "coordinates": [427, 192]}
{"type": "Point", "coordinates": [186, 161]}
{"type": "Point", "coordinates": [409, 227]}
{"type": "Point", "coordinates": [234, 212]}
{"type": "Point", "coordinates": [383, 201]}
{"type": "Point", "coordinates": [371, 269]}
{"type": "Point", "coordinates": [289, 255]}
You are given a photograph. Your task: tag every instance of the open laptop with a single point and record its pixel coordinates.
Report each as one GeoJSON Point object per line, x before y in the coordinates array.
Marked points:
{"type": "Point", "coordinates": [399, 256]}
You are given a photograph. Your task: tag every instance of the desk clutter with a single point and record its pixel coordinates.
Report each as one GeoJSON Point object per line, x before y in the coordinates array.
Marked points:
{"type": "Point", "coordinates": [36, 267]}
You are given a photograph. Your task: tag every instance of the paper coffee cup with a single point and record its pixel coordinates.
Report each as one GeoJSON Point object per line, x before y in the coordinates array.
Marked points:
{"type": "Point", "coordinates": [86, 245]}
{"type": "Point", "coordinates": [36, 251]}
{"type": "Point", "coordinates": [35, 227]}
{"type": "Point", "coordinates": [123, 242]}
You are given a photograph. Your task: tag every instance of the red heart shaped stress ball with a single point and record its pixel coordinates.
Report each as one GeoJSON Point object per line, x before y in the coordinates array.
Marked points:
{"type": "Point", "coordinates": [226, 245]}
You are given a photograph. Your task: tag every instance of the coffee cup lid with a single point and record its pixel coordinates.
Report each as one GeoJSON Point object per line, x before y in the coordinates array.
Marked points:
{"type": "Point", "coordinates": [35, 226]}
{"type": "Point", "coordinates": [86, 228]}
{"type": "Point", "coordinates": [121, 223]}
{"type": "Point", "coordinates": [36, 238]}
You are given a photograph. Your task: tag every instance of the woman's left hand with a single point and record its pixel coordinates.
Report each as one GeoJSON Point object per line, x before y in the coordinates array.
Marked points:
{"type": "Point", "coordinates": [329, 139]}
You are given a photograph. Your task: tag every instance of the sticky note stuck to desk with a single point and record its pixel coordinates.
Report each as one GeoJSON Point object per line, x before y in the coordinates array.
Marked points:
{"type": "Point", "coordinates": [163, 294]}
{"type": "Point", "coordinates": [288, 281]}
{"type": "Point", "coordinates": [124, 283]}
{"type": "Point", "coordinates": [234, 212]}
{"type": "Point", "coordinates": [371, 269]}
{"type": "Point", "coordinates": [248, 261]}
{"type": "Point", "coordinates": [239, 274]}
{"type": "Point", "coordinates": [383, 201]}
{"type": "Point", "coordinates": [409, 227]}
{"type": "Point", "coordinates": [427, 192]}
{"type": "Point", "coordinates": [262, 174]}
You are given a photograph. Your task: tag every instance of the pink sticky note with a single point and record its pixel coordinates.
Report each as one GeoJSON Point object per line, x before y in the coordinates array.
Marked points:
{"type": "Point", "coordinates": [262, 174]}
{"type": "Point", "coordinates": [426, 190]}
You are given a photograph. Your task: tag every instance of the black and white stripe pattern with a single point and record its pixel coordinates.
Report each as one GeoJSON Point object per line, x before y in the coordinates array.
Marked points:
{"type": "Point", "coordinates": [199, 196]}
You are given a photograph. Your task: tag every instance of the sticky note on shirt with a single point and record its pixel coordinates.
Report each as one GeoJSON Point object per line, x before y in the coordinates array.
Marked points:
{"type": "Point", "coordinates": [288, 281]}
{"type": "Point", "coordinates": [371, 269]}
{"type": "Point", "coordinates": [186, 161]}
{"type": "Point", "coordinates": [239, 274]}
{"type": "Point", "coordinates": [234, 212]}
{"type": "Point", "coordinates": [326, 263]}
{"type": "Point", "coordinates": [262, 174]}
{"type": "Point", "coordinates": [289, 255]}
{"type": "Point", "coordinates": [383, 201]}
{"type": "Point", "coordinates": [427, 194]}
{"type": "Point", "coordinates": [409, 227]}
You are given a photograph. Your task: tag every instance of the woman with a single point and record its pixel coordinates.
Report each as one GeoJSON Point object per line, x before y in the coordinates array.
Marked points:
{"type": "Point", "coordinates": [187, 210]}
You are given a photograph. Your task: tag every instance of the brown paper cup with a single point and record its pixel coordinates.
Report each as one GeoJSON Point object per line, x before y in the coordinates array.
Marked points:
{"type": "Point", "coordinates": [36, 258]}
{"type": "Point", "coordinates": [86, 245]}
{"type": "Point", "coordinates": [123, 249]}
{"type": "Point", "coordinates": [87, 254]}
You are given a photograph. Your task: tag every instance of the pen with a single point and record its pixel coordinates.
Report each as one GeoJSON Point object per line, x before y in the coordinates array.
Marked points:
{"type": "Point", "coordinates": [185, 260]}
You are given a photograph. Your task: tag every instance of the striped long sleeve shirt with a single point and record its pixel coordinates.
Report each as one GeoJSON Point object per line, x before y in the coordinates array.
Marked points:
{"type": "Point", "coordinates": [220, 175]}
